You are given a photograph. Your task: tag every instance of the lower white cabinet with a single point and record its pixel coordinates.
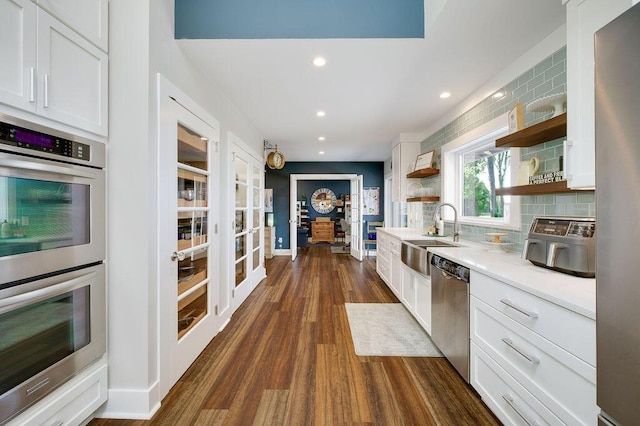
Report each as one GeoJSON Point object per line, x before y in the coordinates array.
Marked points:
{"type": "Point", "coordinates": [408, 294]}
{"type": "Point", "coordinates": [525, 359]}
{"type": "Point", "coordinates": [383, 258]}
{"type": "Point", "coordinates": [71, 404]}
{"type": "Point", "coordinates": [423, 301]}
{"type": "Point", "coordinates": [396, 266]}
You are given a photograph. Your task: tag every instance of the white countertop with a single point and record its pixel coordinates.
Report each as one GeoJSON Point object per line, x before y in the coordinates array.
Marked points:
{"type": "Point", "coordinates": [574, 293]}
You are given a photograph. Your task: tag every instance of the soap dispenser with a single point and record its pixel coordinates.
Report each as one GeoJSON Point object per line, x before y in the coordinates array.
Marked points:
{"type": "Point", "coordinates": [5, 229]}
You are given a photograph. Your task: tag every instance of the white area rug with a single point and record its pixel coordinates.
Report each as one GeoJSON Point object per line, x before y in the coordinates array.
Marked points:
{"type": "Point", "coordinates": [387, 329]}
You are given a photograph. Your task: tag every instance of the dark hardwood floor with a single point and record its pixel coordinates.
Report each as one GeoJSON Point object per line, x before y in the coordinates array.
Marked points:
{"type": "Point", "coordinates": [287, 358]}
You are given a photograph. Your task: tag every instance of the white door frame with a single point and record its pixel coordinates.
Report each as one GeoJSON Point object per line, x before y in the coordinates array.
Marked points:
{"type": "Point", "coordinates": [293, 197]}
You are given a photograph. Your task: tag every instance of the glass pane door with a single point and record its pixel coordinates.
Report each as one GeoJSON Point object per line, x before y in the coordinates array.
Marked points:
{"type": "Point", "coordinates": [242, 212]}
{"type": "Point", "coordinates": [192, 229]}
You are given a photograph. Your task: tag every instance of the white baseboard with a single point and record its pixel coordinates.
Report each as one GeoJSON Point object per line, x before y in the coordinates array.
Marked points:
{"type": "Point", "coordinates": [136, 404]}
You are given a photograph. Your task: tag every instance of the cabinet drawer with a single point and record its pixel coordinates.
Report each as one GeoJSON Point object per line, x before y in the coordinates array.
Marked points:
{"type": "Point", "coordinates": [383, 267]}
{"type": "Point", "coordinates": [383, 252]}
{"type": "Point", "coordinates": [508, 400]}
{"type": "Point", "coordinates": [570, 330]}
{"type": "Point", "coordinates": [562, 382]}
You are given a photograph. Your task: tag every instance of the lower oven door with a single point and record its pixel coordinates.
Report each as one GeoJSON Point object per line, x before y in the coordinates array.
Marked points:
{"type": "Point", "coordinates": [49, 330]}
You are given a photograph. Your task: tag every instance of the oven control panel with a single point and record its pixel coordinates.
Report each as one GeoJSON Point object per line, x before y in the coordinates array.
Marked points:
{"type": "Point", "coordinates": [30, 139]}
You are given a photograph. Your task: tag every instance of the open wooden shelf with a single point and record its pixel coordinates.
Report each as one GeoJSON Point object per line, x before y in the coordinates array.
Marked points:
{"type": "Point", "coordinates": [548, 130]}
{"type": "Point", "coordinates": [541, 188]}
{"type": "Point", "coordinates": [431, 199]}
{"type": "Point", "coordinates": [423, 173]}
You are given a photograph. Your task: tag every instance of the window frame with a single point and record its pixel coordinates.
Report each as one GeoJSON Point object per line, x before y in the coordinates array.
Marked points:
{"type": "Point", "coordinates": [451, 172]}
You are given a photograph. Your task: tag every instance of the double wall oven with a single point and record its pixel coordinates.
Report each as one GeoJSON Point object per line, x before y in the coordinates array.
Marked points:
{"type": "Point", "coordinates": [52, 248]}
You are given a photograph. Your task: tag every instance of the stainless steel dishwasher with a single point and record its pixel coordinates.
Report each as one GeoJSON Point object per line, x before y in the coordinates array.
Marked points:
{"type": "Point", "coordinates": [450, 312]}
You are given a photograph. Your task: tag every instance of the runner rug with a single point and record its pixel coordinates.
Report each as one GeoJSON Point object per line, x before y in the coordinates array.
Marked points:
{"type": "Point", "coordinates": [387, 329]}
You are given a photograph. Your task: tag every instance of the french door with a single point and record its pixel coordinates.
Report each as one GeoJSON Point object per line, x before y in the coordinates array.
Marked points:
{"type": "Point", "coordinates": [356, 216]}
{"type": "Point", "coordinates": [248, 243]}
{"type": "Point", "coordinates": [188, 238]}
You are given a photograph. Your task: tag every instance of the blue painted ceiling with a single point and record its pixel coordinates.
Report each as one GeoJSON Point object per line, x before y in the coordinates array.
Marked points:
{"type": "Point", "coordinates": [299, 19]}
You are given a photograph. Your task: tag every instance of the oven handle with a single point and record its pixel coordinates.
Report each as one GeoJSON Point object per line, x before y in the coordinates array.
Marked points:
{"type": "Point", "coordinates": [60, 170]}
{"type": "Point", "coordinates": [44, 293]}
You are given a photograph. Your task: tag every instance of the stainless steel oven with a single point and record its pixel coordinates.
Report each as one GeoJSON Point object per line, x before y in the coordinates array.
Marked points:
{"type": "Point", "coordinates": [52, 201]}
{"type": "Point", "coordinates": [52, 248]}
{"type": "Point", "coordinates": [50, 329]}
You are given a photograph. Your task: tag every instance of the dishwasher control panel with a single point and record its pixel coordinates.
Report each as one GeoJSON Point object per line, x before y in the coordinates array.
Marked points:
{"type": "Point", "coordinates": [458, 271]}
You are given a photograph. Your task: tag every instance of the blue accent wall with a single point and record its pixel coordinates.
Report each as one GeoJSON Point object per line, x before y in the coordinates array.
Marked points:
{"type": "Point", "coordinates": [276, 19]}
{"type": "Point", "coordinates": [372, 175]}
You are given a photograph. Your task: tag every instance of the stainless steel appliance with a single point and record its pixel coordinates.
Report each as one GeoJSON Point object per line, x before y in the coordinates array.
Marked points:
{"type": "Point", "coordinates": [52, 201]}
{"type": "Point", "coordinates": [52, 248]}
{"type": "Point", "coordinates": [51, 329]}
{"type": "Point", "coordinates": [617, 72]}
{"type": "Point", "coordinates": [450, 312]}
{"type": "Point", "coordinates": [564, 244]}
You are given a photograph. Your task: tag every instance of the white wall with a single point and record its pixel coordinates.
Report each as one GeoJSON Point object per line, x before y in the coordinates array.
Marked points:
{"type": "Point", "coordinates": [139, 50]}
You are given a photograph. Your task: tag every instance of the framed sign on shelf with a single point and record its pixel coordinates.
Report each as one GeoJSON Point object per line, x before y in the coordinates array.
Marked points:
{"type": "Point", "coordinates": [516, 118]}
{"type": "Point", "coordinates": [424, 161]}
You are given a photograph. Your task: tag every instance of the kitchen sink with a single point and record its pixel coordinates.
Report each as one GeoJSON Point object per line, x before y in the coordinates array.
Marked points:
{"type": "Point", "coordinates": [415, 254]}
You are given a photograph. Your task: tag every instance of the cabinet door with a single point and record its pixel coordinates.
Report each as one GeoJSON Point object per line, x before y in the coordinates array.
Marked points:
{"type": "Point", "coordinates": [408, 289]}
{"type": "Point", "coordinates": [584, 18]}
{"type": "Point", "coordinates": [72, 76]}
{"type": "Point", "coordinates": [18, 50]}
{"type": "Point", "coordinates": [423, 301]}
{"type": "Point", "coordinates": [88, 17]}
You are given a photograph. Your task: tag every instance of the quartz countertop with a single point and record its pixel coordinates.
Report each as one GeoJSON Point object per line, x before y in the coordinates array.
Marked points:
{"type": "Point", "coordinates": [574, 293]}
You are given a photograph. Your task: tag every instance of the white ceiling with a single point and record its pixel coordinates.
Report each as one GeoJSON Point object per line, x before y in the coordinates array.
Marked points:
{"type": "Point", "coordinates": [372, 89]}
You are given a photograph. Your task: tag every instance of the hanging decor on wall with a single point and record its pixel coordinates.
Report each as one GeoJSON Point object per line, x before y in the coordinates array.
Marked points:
{"type": "Point", "coordinates": [275, 159]}
{"type": "Point", "coordinates": [371, 200]}
{"type": "Point", "coordinates": [323, 200]}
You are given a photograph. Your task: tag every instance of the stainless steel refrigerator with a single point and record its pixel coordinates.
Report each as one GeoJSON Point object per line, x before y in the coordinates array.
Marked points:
{"type": "Point", "coordinates": [617, 71]}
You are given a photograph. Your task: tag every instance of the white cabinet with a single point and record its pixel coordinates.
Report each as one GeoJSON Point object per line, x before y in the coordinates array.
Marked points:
{"type": "Point", "coordinates": [408, 294]}
{"type": "Point", "coordinates": [383, 258]}
{"type": "Point", "coordinates": [530, 357]}
{"type": "Point", "coordinates": [87, 17]}
{"type": "Point", "coordinates": [584, 18]}
{"type": "Point", "coordinates": [422, 313]}
{"type": "Point", "coordinates": [18, 42]}
{"type": "Point", "coordinates": [396, 266]}
{"type": "Point", "coordinates": [403, 159]}
{"type": "Point", "coordinates": [73, 403]}
{"type": "Point", "coordinates": [58, 74]}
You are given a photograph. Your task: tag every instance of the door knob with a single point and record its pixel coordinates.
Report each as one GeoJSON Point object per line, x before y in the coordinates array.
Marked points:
{"type": "Point", "coordinates": [177, 255]}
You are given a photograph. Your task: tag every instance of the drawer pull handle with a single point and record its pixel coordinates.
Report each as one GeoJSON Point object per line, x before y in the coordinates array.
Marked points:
{"type": "Point", "coordinates": [532, 359]}
{"type": "Point", "coordinates": [519, 309]}
{"type": "Point", "coordinates": [512, 404]}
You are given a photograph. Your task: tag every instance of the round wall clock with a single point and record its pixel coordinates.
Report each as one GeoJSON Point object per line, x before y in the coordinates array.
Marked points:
{"type": "Point", "coordinates": [323, 200]}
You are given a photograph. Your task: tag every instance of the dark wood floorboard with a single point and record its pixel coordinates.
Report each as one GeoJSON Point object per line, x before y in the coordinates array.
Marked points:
{"type": "Point", "coordinates": [287, 358]}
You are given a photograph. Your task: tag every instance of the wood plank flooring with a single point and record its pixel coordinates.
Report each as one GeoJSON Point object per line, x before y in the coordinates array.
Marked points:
{"type": "Point", "coordinates": [287, 358]}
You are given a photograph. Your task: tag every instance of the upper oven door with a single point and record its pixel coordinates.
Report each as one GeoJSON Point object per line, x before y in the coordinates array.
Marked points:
{"type": "Point", "coordinates": [52, 216]}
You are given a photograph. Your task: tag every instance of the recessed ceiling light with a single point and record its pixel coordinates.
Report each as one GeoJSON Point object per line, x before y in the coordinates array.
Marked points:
{"type": "Point", "coordinates": [321, 138]}
{"type": "Point", "coordinates": [204, 138]}
{"type": "Point", "coordinates": [319, 61]}
{"type": "Point", "coordinates": [498, 95]}
{"type": "Point", "coordinates": [321, 152]}
{"type": "Point", "coordinates": [445, 95]}
{"type": "Point", "coordinates": [320, 113]}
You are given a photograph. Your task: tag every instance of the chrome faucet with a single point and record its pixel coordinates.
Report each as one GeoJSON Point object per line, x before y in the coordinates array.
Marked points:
{"type": "Point", "coordinates": [456, 234]}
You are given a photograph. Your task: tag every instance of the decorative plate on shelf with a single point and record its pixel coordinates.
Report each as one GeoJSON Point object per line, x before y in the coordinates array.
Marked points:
{"type": "Point", "coordinates": [549, 103]}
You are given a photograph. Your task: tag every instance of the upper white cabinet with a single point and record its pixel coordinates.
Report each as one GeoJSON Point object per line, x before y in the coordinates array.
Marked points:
{"type": "Point", "coordinates": [86, 17]}
{"type": "Point", "coordinates": [18, 42]}
{"type": "Point", "coordinates": [403, 159]}
{"type": "Point", "coordinates": [56, 73]}
{"type": "Point", "coordinates": [584, 18]}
